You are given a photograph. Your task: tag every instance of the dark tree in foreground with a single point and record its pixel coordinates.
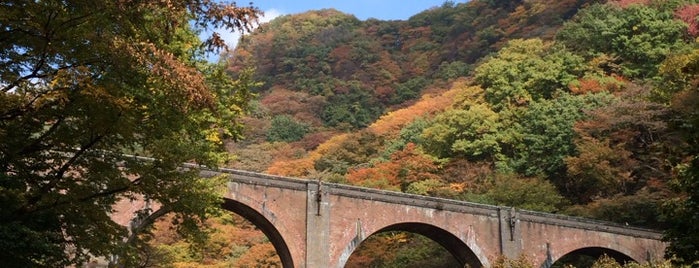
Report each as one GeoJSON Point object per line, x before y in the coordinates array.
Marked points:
{"type": "Point", "coordinates": [82, 83]}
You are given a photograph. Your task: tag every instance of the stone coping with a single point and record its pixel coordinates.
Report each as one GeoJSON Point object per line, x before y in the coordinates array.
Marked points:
{"type": "Point", "coordinates": [440, 204]}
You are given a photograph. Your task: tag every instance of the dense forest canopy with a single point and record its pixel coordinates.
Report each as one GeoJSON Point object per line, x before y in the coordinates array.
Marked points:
{"type": "Point", "coordinates": [578, 107]}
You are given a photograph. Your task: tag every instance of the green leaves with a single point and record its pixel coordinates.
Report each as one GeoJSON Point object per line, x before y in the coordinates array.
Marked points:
{"type": "Point", "coordinates": [285, 128]}
{"type": "Point", "coordinates": [547, 133]}
{"type": "Point", "coordinates": [83, 83]}
{"type": "Point", "coordinates": [526, 193]}
{"type": "Point", "coordinates": [471, 132]}
{"type": "Point", "coordinates": [352, 106]}
{"type": "Point", "coordinates": [525, 71]}
{"type": "Point", "coordinates": [641, 36]}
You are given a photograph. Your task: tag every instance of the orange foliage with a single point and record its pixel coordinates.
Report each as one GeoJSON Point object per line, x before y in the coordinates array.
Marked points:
{"type": "Point", "coordinates": [414, 165]}
{"type": "Point", "coordinates": [384, 93]}
{"type": "Point", "coordinates": [467, 175]}
{"type": "Point", "coordinates": [244, 55]}
{"type": "Point", "coordinates": [293, 168]}
{"type": "Point", "coordinates": [260, 255]}
{"type": "Point", "coordinates": [390, 124]}
{"type": "Point", "coordinates": [405, 167]}
{"type": "Point", "coordinates": [341, 52]}
{"type": "Point", "coordinates": [163, 231]}
{"type": "Point", "coordinates": [387, 171]}
{"type": "Point", "coordinates": [389, 66]}
{"type": "Point", "coordinates": [304, 166]}
{"type": "Point", "coordinates": [517, 19]}
{"type": "Point", "coordinates": [331, 144]}
{"type": "Point", "coordinates": [343, 66]}
{"type": "Point", "coordinates": [226, 234]}
{"type": "Point", "coordinates": [585, 85]}
{"type": "Point", "coordinates": [414, 35]}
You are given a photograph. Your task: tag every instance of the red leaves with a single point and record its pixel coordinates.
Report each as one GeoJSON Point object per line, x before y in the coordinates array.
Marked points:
{"type": "Point", "coordinates": [689, 14]}
{"type": "Point", "coordinates": [613, 83]}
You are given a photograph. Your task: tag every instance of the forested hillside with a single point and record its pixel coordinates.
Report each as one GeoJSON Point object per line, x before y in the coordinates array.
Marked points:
{"type": "Point", "coordinates": [578, 107]}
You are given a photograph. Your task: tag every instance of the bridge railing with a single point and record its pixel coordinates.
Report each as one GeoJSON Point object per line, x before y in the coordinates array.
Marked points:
{"type": "Point", "coordinates": [430, 202]}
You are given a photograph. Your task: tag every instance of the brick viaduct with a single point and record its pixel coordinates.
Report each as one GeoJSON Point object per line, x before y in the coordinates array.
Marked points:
{"type": "Point", "coordinates": [316, 225]}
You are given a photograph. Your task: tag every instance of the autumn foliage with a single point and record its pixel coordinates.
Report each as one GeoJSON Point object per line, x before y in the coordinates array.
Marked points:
{"type": "Point", "coordinates": [690, 15]}
{"type": "Point", "coordinates": [574, 107]}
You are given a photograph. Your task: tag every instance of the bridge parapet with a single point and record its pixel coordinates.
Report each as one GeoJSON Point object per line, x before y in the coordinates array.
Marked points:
{"type": "Point", "coordinates": [439, 203]}
{"type": "Point", "coordinates": [325, 221]}
{"type": "Point", "coordinates": [587, 224]}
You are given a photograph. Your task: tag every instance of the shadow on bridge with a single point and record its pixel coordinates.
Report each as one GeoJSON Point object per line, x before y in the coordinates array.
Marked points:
{"type": "Point", "coordinates": [264, 225]}
{"type": "Point", "coordinates": [455, 246]}
{"type": "Point", "coordinates": [585, 257]}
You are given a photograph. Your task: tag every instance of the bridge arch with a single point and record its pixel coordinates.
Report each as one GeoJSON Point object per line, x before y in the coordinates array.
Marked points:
{"type": "Point", "coordinates": [462, 252]}
{"type": "Point", "coordinates": [261, 222]}
{"type": "Point", "coordinates": [314, 224]}
{"type": "Point", "coordinates": [595, 253]}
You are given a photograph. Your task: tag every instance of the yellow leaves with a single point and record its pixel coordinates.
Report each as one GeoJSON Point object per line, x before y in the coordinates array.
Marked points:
{"type": "Point", "coordinates": [469, 96]}
{"type": "Point", "coordinates": [233, 242]}
{"type": "Point", "coordinates": [80, 82]}
{"type": "Point", "coordinates": [213, 135]}
{"type": "Point", "coordinates": [601, 168]}
{"type": "Point", "coordinates": [681, 67]}
{"type": "Point", "coordinates": [521, 262]}
{"type": "Point", "coordinates": [457, 187]}
{"type": "Point", "coordinates": [293, 168]}
{"type": "Point", "coordinates": [260, 255]}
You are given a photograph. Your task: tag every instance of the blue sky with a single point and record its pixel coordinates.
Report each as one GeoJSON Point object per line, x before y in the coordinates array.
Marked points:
{"type": "Point", "coordinates": [362, 9]}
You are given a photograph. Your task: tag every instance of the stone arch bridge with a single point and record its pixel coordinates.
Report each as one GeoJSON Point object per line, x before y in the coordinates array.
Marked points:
{"type": "Point", "coordinates": [316, 225]}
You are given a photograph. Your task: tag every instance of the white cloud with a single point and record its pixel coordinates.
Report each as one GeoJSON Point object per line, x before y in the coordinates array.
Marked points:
{"type": "Point", "coordinates": [270, 15]}
{"type": "Point", "coordinates": [232, 38]}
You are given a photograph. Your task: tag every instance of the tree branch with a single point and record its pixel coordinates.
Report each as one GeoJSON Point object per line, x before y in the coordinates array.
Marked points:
{"type": "Point", "coordinates": [34, 146]}
{"type": "Point", "coordinates": [109, 192]}
{"type": "Point", "coordinates": [62, 170]}
{"type": "Point", "coordinates": [33, 199]}
{"type": "Point", "coordinates": [144, 222]}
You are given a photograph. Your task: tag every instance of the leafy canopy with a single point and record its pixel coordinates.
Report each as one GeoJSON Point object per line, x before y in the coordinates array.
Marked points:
{"type": "Point", "coordinates": [83, 83]}
{"type": "Point", "coordinates": [637, 37]}
{"type": "Point", "coordinates": [525, 71]}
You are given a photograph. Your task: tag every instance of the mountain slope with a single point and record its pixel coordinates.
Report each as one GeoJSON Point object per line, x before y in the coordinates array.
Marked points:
{"type": "Point", "coordinates": [367, 67]}
{"type": "Point", "coordinates": [576, 107]}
